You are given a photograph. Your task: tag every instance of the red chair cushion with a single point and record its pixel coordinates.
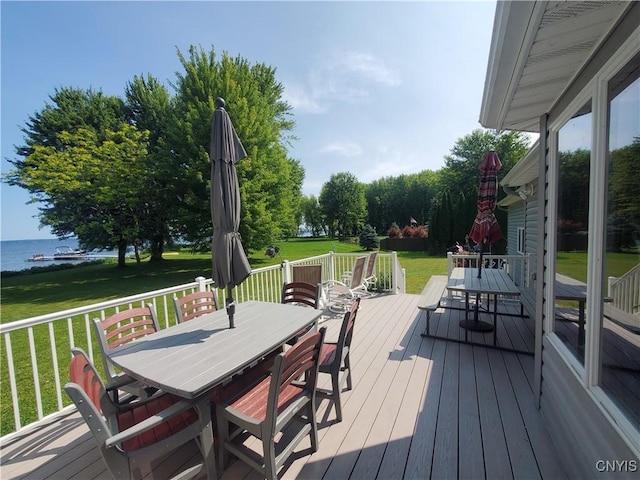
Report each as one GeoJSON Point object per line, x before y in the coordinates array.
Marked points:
{"type": "Point", "coordinates": [130, 417]}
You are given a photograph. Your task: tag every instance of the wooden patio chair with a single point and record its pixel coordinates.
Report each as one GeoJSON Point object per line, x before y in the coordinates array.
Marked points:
{"type": "Point", "coordinates": [264, 410]}
{"type": "Point", "coordinates": [340, 295]}
{"type": "Point", "coordinates": [121, 328]}
{"type": "Point", "coordinates": [130, 437]}
{"type": "Point", "coordinates": [193, 305]}
{"type": "Point", "coordinates": [301, 293]}
{"type": "Point", "coordinates": [336, 361]}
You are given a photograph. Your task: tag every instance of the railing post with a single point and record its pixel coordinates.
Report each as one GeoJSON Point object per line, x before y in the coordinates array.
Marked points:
{"type": "Point", "coordinates": [394, 272]}
{"type": "Point", "coordinates": [202, 287]}
{"type": "Point", "coordinates": [332, 265]}
{"type": "Point", "coordinates": [610, 284]}
{"type": "Point", "coordinates": [286, 271]}
{"type": "Point", "coordinates": [449, 264]}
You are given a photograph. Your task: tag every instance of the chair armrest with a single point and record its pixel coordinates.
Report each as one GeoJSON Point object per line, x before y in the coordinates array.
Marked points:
{"type": "Point", "coordinates": [120, 381]}
{"type": "Point", "coordinates": [151, 422]}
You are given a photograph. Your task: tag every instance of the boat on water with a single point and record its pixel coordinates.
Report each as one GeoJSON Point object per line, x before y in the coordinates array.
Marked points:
{"type": "Point", "coordinates": [62, 253]}
{"type": "Point", "coordinates": [68, 253]}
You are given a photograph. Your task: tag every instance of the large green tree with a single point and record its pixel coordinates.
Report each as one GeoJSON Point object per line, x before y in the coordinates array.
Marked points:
{"type": "Point", "coordinates": [92, 185]}
{"type": "Point", "coordinates": [85, 129]}
{"type": "Point", "coordinates": [148, 107]}
{"type": "Point", "coordinates": [312, 215]}
{"type": "Point", "coordinates": [343, 204]}
{"type": "Point", "coordinates": [270, 181]}
{"type": "Point", "coordinates": [398, 199]}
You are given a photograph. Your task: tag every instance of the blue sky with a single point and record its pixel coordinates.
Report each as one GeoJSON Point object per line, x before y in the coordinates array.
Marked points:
{"type": "Point", "coordinates": [377, 88]}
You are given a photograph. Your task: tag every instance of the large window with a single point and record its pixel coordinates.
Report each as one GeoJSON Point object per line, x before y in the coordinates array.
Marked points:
{"type": "Point", "coordinates": [619, 354]}
{"type": "Point", "coordinates": [572, 226]}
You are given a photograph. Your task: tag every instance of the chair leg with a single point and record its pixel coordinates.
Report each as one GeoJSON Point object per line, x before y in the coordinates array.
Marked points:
{"type": "Point", "coordinates": [347, 368]}
{"type": "Point", "coordinates": [335, 384]}
{"type": "Point", "coordinates": [314, 425]}
{"type": "Point", "coordinates": [223, 437]}
{"type": "Point", "coordinates": [269, 451]}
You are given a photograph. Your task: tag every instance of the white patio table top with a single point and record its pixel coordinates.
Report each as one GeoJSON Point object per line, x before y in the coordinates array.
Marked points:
{"type": "Point", "coordinates": [191, 358]}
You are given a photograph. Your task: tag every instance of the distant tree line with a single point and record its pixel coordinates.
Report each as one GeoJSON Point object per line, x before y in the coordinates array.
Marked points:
{"type": "Point", "coordinates": [444, 201]}
{"type": "Point", "coordinates": [134, 170]}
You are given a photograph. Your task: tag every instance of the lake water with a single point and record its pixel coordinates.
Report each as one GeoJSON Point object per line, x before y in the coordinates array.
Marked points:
{"type": "Point", "coordinates": [15, 254]}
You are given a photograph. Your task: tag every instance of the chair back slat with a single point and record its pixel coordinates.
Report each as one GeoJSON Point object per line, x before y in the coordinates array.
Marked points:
{"type": "Point", "coordinates": [346, 329]}
{"type": "Point", "coordinates": [357, 275]}
{"type": "Point", "coordinates": [370, 275]}
{"type": "Point", "coordinates": [307, 273]}
{"type": "Point", "coordinates": [122, 328]}
{"type": "Point", "coordinates": [82, 372]}
{"type": "Point", "coordinates": [301, 293]}
{"type": "Point", "coordinates": [297, 365]}
{"type": "Point", "coordinates": [194, 304]}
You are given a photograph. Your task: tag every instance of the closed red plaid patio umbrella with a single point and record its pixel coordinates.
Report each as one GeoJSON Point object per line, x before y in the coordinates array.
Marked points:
{"type": "Point", "coordinates": [485, 227]}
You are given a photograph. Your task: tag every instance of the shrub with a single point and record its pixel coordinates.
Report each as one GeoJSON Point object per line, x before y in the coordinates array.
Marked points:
{"type": "Point", "coordinates": [394, 231]}
{"type": "Point", "coordinates": [417, 231]}
{"type": "Point", "coordinates": [369, 238]}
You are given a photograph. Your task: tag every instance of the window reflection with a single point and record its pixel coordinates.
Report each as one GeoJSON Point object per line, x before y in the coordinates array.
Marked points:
{"type": "Point", "coordinates": [574, 156]}
{"type": "Point", "coordinates": [620, 329]}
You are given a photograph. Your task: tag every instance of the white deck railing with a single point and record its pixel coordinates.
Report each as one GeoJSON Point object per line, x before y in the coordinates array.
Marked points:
{"type": "Point", "coordinates": [517, 266]}
{"type": "Point", "coordinates": [625, 291]}
{"type": "Point", "coordinates": [37, 349]}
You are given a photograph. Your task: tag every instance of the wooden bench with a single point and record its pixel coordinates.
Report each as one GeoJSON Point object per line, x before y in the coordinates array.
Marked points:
{"type": "Point", "coordinates": [431, 296]}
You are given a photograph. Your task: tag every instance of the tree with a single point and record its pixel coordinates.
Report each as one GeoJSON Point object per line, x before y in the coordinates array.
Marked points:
{"type": "Point", "coordinates": [343, 203]}
{"type": "Point", "coordinates": [461, 173]}
{"type": "Point", "coordinates": [69, 110]}
{"type": "Point", "coordinates": [148, 107]}
{"type": "Point", "coordinates": [270, 182]}
{"type": "Point", "coordinates": [397, 199]}
{"type": "Point", "coordinates": [68, 139]}
{"type": "Point", "coordinates": [368, 238]}
{"type": "Point", "coordinates": [312, 215]}
{"type": "Point", "coordinates": [90, 186]}
{"type": "Point", "coordinates": [624, 208]}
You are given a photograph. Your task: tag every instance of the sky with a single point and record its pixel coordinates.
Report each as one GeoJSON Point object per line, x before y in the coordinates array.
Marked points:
{"type": "Point", "coordinates": [377, 89]}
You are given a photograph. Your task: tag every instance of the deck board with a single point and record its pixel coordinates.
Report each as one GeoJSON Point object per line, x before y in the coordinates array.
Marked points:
{"type": "Point", "coordinates": [420, 408]}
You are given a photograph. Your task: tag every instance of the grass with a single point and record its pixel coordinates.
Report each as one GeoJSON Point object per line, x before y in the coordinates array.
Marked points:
{"type": "Point", "coordinates": [32, 294]}
{"type": "Point", "coordinates": [41, 291]}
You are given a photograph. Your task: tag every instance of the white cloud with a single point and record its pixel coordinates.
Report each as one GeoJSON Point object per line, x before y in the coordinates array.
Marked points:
{"type": "Point", "coordinates": [368, 66]}
{"type": "Point", "coordinates": [341, 77]}
{"type": "Point", "coordinates": [344, 149]}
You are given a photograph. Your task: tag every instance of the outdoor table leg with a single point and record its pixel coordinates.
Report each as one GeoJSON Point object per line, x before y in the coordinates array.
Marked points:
{"type": "Point", "coordinates": [580, 325]}
{"type": "Point", "coordinates": [495, 319]}
{"type": "Point", "coordinates": [204, 410]}
{"type": "Point", "coordinates": [466, 312]}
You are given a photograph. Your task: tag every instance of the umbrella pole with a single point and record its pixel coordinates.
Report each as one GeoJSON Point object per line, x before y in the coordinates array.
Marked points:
{"type": "Point", "coordinates": [231, 306]}
{"type": "Point", "coordinates": [480, 261]}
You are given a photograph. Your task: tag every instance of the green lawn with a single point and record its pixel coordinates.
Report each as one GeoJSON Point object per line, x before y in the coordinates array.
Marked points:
{"type": "Point", "coordinates": [37, 293]}
{"type": "Point", "coordinates": [34, 294]}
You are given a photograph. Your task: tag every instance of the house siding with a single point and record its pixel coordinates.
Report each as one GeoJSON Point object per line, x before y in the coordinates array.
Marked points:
{"type": "Point", "coordinates": [584, 434]}
{"type": "Point", "coordinates": [580, 425]}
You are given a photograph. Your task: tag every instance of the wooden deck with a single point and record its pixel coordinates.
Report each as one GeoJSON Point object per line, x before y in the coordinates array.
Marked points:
{"type": "Point", "coordinates": [420, 408]}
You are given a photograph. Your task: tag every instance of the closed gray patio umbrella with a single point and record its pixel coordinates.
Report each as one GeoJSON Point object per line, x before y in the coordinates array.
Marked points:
{"type": "Point", "coordinates": [230, 264]}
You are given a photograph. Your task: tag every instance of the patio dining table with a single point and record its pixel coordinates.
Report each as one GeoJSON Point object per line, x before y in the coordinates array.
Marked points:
{"type": "Point", "coordinates": [494, 281]}
{"type": "Point", "coordinates": [190, 359]}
